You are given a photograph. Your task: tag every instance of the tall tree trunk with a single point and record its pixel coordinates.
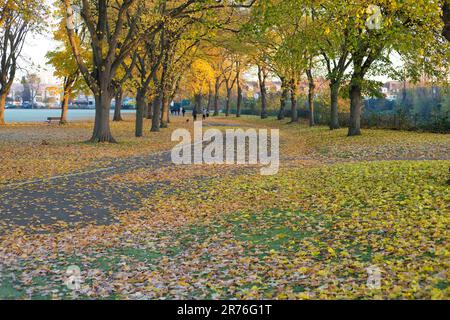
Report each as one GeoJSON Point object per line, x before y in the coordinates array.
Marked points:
{"type": "Point", "coordinates": [149, 114]}
{"type": "Point", "coordinates": [118, 106]}
{"type": "Point", "coordinates": [156, 106]}
{"type": "Point", "coordinates": [2, 107]}
{"type": "Point", "coordinates": [355, 107]}
{"type": "Point", "coordinates": [216, 97]}
{"type": "Point", "coordinates": [102, 130]}
{"type": "Point", "coordinates": [283, 99]}
{"type": "Point", "coordinates": [165, 111]}
{"type": "Point", "coordinates": [145, 109]}
{"type": "Point", "coordinates": [140, 105]}
{"type": "Point", "coordinates": [263, 91]}
{"type": "Point", "coordinates": [294, 113]}
{"type": "Point", "coordinates": [198, 104]}
{"type": "Point", "coordinates": [6, 87]}
{"type": "Point", "coordinates": [64, 107]}
{"type": "Point", "coordinates": [239, 89]}
{"type": "Point", "coordinates": [334, 111]}
{"type": "Point", "coordinates": [446, 20]}
{"type": "Point", "coordinates": [239, 100]}
{"type": "Point", "coordinates": [208, 107]}
{"type": "Point", "coordinates": [311, 93]}
{"type": "Point", "coordinates": [227, 106]}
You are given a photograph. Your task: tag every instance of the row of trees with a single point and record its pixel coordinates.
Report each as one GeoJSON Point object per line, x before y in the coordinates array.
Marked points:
{"type": "Point", "coordinates": [156, 49]}
{"type": "Point", "coordinates": [147, 44]}
{"type": "Point", "coordinates": [17, 20]}
{"type": "Point", "coordinates": [347, 41]}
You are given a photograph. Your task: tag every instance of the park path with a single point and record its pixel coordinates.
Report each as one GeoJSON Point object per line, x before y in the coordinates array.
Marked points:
{"type": "Point", "coordinates": [77, 197]}
{"type": "Point", "coordinates": [89, 197]}
{"type": "Point", "coordinates": [80, 197]}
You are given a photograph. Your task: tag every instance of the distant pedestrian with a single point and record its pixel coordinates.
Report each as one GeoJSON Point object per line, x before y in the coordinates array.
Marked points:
{"type": "Point", "coordinates": [183, 111]}
{"type": "Point", "coordinates": [194, 114]}
{"type": "Point", "coordinates": [204, 114]}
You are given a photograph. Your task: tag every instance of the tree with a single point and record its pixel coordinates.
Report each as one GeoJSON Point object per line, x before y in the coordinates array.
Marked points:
{"type": "Point", "coordinates": [239, 88]}
{"type": "Point", "coordinates": [65, 65]}
{"type": "Point", "coordinates": [148, 59]}
{"type": "Point", "coordinates": [197, 81]}
{"type": "Point", "coordinates": [334, 47]}
{"type": "Point", "coordinates": [18, 19]}
{"type": "Point", "coordinates": [446, 19]}
{"type": "Point", "coordinates": [281, 32]}
{"type": "Point", "coordinates": [311, 94]}
{"type": "Point", "coordinates": [378, 30]}
{"type": "Point", "coordinates": [120, 80]}
{"type": "Point", "coordinates": [262, 77]}
{"type": "Point", "coordinates": [26, 93]}
{"type": "Point", "coordinates": [113, 40]}
{"type": "Point", "coordinates": [34, 83]}
{"type": "Point", "coordinates": [228, 74]}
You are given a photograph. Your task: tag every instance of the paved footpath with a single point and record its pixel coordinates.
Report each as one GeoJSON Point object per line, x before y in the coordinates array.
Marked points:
{"type": "Point", "coordinates": [77, 197]}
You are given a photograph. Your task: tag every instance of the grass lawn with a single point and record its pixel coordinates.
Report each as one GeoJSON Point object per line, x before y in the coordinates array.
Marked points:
{"type": "Point", "coordinates": [337, 207]}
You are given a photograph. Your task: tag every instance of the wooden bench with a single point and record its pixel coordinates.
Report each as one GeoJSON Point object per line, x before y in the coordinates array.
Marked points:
{"type": "Point", "coordinates": [50, 119]}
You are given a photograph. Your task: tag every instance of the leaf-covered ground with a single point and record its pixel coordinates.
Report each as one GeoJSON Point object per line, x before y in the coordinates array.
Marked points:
{"type": "Point", "coordinates": [338, 206]}
{"type": "Point", "coordinates": [37, 151]}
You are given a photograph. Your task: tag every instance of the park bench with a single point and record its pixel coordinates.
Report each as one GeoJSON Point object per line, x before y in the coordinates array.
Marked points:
{"type": "Point", "coordinates": [50, 119]}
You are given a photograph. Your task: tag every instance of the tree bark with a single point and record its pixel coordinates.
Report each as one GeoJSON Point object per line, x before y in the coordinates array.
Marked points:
{"type": "Point", "coordinates": [216, 97]}
{"type": "Point", "coordinates": [165, 111]}
{"type": "Point", "coordinates": [156, 106]}
{"type": "Point", "coordinates": [239, 89]}
{"type": "Point", "coordinates": [2, 107]}
{"type": "Point", "coordinates": [294, 113]}
{"type": "Point", "coordinates": [64, 107]}
{"type": "Point", "coordinates": [227, 106]}
{"type": "Point", "coordinates": [145, 113]}
{"type": "Point", "coordinates": [446, 20]}
{"type": "Point", "coordinates": [334, 111]}
{"type": "Point", "coordinates": [208, 107]}
{"type": "Point", "coordinates": [69, 82]}
{"type": "Point", "coordinates": [239, 100]}
{"type": "Point", "coordinates": [355, 107]}
{"type": "Point", "coordinates": [283, 99]}
{"type": "Point", "coordinates": [118, 106]}
{"type": "Point", "coordinates": [102, 130]}
{"type": "Point", "coordinates": [198, 104]}
{"type": "Point", "coordinates": [149, 114]}
{"type": "Point", "coordinates": [140, 105]}
{"type": "Point", "coordinates": [311, 93]}
{"type": "Point", "coordinates": [263, 91]}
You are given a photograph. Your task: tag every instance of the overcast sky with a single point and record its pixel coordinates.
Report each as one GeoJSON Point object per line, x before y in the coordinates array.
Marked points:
{"type": "Point", "coordinates": [34, 51]}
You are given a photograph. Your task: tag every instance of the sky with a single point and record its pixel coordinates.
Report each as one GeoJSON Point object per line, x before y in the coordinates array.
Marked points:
{"type": "Point", "coordinates": [34, 61]}
{"type": "Point", "coordinates": [35, 48]}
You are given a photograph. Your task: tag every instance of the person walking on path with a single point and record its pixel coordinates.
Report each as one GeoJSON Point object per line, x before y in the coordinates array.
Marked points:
{"type": "Point", "coordinates": [194, 114]}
